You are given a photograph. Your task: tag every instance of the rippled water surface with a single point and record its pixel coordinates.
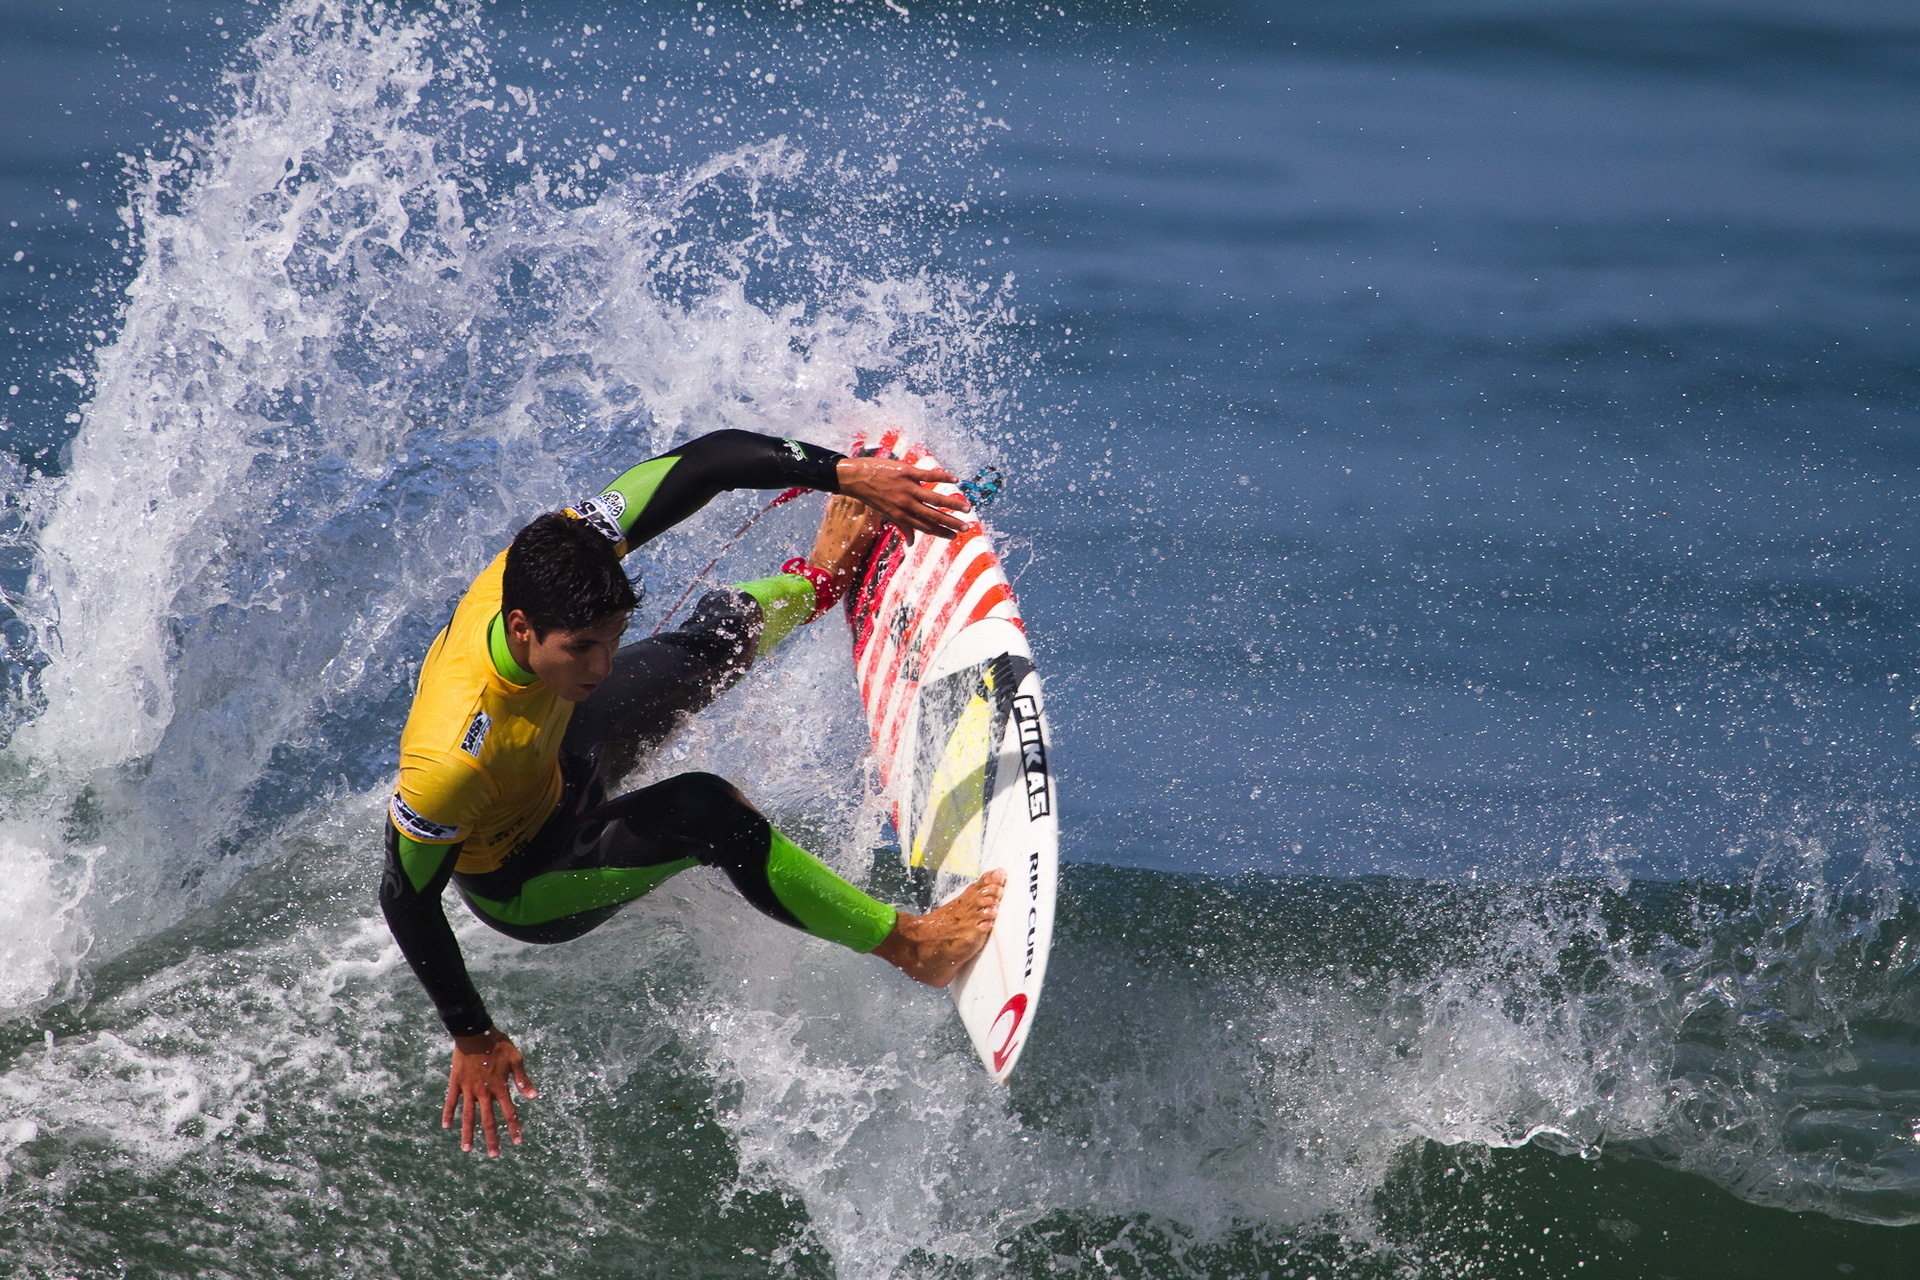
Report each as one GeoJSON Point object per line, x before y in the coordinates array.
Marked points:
{"type": "Point", "coordinates": [1461, 462]}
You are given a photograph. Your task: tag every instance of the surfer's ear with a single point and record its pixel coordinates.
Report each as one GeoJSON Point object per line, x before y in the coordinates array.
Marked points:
{"type": "Point", "coordinates": [521, 628]}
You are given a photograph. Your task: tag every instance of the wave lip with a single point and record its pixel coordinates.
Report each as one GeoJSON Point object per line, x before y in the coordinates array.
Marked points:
{"type": "Point", "coordinates": [359, 349]}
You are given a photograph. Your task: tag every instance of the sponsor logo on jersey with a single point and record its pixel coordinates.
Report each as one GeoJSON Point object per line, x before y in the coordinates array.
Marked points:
{"type": "Point", "coordinates": [1033, 756]}
{"type": "Point", "coordinates": [412, 824]}
{"type": "Point", "coordinates": [476, 735]}
{"type": "Point", "coordinates": [793, 447]}
{"type": "Point", "coordinates": [603, 514]}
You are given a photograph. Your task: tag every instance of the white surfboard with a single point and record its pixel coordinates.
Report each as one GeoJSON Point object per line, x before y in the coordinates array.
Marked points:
{"type": "Point", "coordinates": [960, 735]}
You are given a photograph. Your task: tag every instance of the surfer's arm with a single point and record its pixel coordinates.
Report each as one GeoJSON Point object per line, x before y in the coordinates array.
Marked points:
{"type": "Point", "coordinates": [486, 1065]}
{"type": "Point", "coordinates": [647, 500]}
{"type": "Point", "coordinates": [416, 874]}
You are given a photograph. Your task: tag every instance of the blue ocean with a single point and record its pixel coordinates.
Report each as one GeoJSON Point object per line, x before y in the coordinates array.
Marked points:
{"type": "Point", "coordinates": [1462, 460]}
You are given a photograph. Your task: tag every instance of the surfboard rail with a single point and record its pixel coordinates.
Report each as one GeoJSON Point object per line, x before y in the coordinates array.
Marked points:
{"type": "Point", "coordinates": [960, 738]}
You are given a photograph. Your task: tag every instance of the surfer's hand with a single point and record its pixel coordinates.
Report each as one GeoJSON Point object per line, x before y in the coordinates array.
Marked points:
{"type": "Point", "coordinates": [904, 494]}
{"type": "Point", "coordinates": [483, 1066]}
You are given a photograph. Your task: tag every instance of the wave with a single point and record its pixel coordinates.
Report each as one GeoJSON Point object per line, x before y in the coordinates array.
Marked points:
{"type": "Point", "coordinates": [1227, 1073]}
{"type": "Point", "coordinates": [364, 341]}
{"type": "Point", "coordinates": [349, 364]}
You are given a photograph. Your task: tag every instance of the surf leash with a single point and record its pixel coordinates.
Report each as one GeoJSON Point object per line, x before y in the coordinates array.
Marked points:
{"type": "Point", "coordinates": [785, 497]}
{"type": "Point", "coordinates": [981, 491]}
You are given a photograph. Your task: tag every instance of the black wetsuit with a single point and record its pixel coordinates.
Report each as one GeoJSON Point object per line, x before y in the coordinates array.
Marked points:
{"type": "Point", "coordinates": [504, 788]}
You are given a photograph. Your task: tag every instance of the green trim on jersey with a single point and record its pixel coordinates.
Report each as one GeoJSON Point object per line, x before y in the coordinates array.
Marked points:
{"type": "Point", "coordinates": [827, 906]}
{"type": "Point", "coordinates": [503, 661]}
{"type": "Point", "coordinates": [786, 601]}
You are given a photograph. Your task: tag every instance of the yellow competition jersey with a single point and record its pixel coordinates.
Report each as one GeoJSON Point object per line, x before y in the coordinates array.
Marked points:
{"type": "Point", "coordinates": [479, 758]}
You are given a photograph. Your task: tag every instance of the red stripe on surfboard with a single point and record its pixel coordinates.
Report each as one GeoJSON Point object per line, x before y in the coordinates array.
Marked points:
{"type": "Point", "coordinates": [885, 604]}
{"type": "Point", "coordinates": [897, 694]}
{"type": "Point", "coordinates": [931, 570]}
{"type": "Point", "coordinates": [892, 701]}
{"type": "Point", "coordinates": [892, 722]}
{"type": "Point", "coordinates": [918, 566]}
{"type": "Point", "coordinates": [996, 595]}
{"type": "Point", "coordinates": [884, 653]}
{"type": "Point", "coordinates": [863, 603]}
{"type": "Point", "coordinates": [908, 558]}
{"type": "Point", "coordinates": [900, 575]}
{"type": "Point", "coordinates": [888, 439]}
{"type": "Point", "coordinates": [928, 638]}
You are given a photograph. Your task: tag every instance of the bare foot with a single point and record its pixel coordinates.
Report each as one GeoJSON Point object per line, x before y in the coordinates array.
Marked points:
{"type": "Point", "coordinates": [846, 535]}
{"type": "Point", "coordinates": [932, 948]}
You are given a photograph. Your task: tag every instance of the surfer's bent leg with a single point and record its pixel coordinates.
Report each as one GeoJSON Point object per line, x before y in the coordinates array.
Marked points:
{"type": "Point", "coordinates": [621, 849]}
{"type": "Point", "coordinates": [658, 682]}
{"type": "Point", "coordinates": [593, 858]}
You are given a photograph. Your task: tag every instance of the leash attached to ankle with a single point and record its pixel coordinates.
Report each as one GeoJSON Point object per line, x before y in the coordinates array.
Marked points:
{"type": "Point", "coordinates": [826, 592]}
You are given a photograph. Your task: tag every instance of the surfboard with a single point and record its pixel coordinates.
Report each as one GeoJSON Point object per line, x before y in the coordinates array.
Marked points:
{"type": "Point", "coordinates": [960, 738]}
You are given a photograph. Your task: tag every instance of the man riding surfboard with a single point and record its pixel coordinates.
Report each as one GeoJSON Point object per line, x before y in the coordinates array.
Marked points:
{"type": "Point", "coordinates": [529, 712]}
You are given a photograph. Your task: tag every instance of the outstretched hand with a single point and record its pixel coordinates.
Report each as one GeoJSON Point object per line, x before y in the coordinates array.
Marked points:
{"type": "Point", "coordinates": [478, 1081]}
{"type": "Point", "coordinates": [904, 494]}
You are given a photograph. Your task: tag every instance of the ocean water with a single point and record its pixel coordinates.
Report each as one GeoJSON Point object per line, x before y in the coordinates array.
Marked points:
{"type": "Point", "coordinates": [1462, 461]}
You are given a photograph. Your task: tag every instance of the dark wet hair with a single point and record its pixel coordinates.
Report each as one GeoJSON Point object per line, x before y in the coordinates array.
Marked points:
{"type": "Point", "coordinates": [564, 576]}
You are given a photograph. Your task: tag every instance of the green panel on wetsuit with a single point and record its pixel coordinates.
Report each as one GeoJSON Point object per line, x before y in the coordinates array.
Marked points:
{"type": "Point", "coordinates": [786, 601]}
{"type": "Point", "coordinates": [567, 893]}
{"type": "Point", "coordinates": [637, 485]}
{"type": "Point", "coordinates": [422, 861]}
{"type": "Point", "coordinates": [826, 905]}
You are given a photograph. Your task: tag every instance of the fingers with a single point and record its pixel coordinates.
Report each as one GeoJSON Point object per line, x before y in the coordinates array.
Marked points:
{"type": "Point", "coordinates": [482, 1102]}
{"type": "Point", "coordinates": [475, 1096]}
{"type": "Point", "coordinates": [925, 511]}
{"type": "Point", "coordinates": [950, 501]}
{"type": "Point", "coordinates": [513, 1119]}
{"type": "Point", "coordinates": [490, 1123]}
{"type": "Point", "coordinates": [918, 474]}
{"type": "Point", "coordinates": [905, 495]}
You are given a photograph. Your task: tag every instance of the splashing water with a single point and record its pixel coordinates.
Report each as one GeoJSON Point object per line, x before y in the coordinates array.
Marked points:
{"type": "Point", "coordinates": [332, 393]}
{"type": "Point", "coordinates": [362, 345]}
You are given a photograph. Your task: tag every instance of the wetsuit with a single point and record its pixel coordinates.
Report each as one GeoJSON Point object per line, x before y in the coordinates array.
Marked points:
{"type": "Point", "coordinates": [503, 786]}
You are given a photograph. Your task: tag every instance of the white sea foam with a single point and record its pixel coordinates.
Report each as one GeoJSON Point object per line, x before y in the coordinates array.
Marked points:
{"type": "Point", "coordinates": [42, 936]}
{"type": "Point", "coordinates": [332, 395]}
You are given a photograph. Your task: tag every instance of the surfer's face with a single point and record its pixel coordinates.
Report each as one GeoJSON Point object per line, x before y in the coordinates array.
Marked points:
{"type": "Point", "coordinates": [573, 663]}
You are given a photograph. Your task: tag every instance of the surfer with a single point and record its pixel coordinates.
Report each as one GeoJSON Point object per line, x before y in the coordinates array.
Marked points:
{"type": "Point", "coordinates": [528, 712]}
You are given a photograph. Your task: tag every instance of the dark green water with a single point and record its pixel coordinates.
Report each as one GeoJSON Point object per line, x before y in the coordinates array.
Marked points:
{"type": "Point", "coordinates": [1235, 1078]}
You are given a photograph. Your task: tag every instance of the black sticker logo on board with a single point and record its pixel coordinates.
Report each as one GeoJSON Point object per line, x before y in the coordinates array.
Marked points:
{"type": "Point", "coordinates": [1033, 756]}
